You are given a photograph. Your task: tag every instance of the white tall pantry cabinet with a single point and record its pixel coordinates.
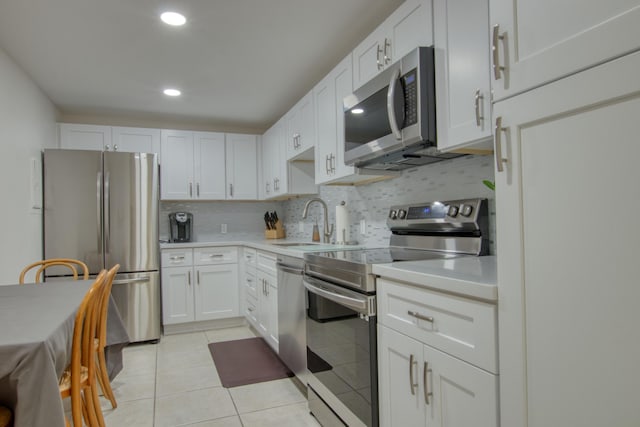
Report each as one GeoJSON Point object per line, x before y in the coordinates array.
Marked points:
{"type": "Point", "coordinates": [567, 196]}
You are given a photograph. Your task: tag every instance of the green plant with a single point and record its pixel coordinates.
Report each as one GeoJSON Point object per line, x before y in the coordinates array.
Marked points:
{"type": "Point", "coordinates": [490, 184]}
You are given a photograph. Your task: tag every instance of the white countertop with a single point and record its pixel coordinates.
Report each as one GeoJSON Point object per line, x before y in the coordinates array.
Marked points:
{"type": "Point", "coordinates": [468, 276]}
{"type": "Point", "coordinates": [274, 246]}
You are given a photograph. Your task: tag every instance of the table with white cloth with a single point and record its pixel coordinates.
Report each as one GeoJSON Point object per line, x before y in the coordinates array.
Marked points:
{"type": "Point", "coordinates": [36, 333]}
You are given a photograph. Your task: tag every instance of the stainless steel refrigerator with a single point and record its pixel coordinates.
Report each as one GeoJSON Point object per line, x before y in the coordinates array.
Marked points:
{"type": "Point", "coordinates": [102, 208]}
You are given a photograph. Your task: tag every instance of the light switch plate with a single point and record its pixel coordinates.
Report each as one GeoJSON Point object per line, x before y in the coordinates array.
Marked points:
{"type": "Point", "coordinates": [223, 228]}
{"type": "Point", "coordinates": [363, 227]}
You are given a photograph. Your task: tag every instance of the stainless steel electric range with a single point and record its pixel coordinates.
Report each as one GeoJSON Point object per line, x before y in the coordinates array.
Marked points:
{"type": "Point", "coordinates": [341, 313]}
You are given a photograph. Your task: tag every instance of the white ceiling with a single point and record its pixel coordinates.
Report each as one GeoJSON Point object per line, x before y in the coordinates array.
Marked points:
{"type": "Point", "coordinates": [239, 63]}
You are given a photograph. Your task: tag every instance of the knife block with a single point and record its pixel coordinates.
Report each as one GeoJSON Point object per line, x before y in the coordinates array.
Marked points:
{"type": "Point", "coordinates": [278, 233]}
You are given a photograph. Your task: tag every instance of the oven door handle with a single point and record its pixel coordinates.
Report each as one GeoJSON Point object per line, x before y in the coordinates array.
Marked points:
{"type": "Point", "coordinates": [357, 304]}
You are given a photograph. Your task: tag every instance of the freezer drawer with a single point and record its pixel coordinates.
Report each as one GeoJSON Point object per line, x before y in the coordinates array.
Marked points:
{"type": "Point", "coordinates": [137, 296]}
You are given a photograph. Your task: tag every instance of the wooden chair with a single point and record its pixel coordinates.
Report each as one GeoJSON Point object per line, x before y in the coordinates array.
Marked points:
{"type": "Point", "coordinates": [79, 379]}
{"type": "Point", "coordinates": [71, 264]}
{"type": "Point", "coordinates": [6, 417]}
{"type": "Point", "coordinates": [100, 341]}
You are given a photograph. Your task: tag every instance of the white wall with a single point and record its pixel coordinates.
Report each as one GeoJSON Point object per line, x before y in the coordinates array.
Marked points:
{"type": "Point", "coordinates": [27, 125]}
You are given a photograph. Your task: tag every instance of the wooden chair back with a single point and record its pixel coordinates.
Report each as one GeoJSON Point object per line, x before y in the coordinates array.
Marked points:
{"type": "Point", "coordinates": [83, 348]}
{"type": "Point", "coordinates": [71, 264]}
{"type": "Point", "coordinates": [104, 306]}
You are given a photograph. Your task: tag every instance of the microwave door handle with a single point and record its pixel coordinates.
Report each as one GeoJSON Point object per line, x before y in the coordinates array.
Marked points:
{"type": "Point", "coordinates": [391, 105]}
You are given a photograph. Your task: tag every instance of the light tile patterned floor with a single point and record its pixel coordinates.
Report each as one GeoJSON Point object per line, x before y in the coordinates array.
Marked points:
{"type": "Point", "coordinates": [175, 383]}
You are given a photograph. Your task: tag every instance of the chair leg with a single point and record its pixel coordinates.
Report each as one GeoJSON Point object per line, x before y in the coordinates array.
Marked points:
{"type": "Point", "coordinates": [77, 408]}
{"type": "Point", "coordinates": [96, 404]}
{"type": "Point", "coordinates": [91, 409]}
{"type": "Point", "coordinates": [103, 379]}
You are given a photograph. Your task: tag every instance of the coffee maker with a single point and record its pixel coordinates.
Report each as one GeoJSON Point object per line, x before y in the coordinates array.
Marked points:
{"type": "Point", "coordinates": [180, 227]}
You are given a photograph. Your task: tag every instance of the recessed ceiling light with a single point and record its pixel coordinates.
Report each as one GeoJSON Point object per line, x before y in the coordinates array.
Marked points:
{"type": "Point", "coordinates": [357, 111]}
{"type": "Point", "coordinates": [172, 92]}
{"type": "Point", "coordinates": [173, 18]}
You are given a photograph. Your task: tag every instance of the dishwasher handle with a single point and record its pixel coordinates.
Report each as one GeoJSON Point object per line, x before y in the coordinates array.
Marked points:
{"type": "Point", "coordinates": [289, 269]}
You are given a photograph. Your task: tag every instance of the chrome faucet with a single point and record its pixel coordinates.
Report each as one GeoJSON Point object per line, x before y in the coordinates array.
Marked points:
{"type": "Point", "coordinates": [328, 230]}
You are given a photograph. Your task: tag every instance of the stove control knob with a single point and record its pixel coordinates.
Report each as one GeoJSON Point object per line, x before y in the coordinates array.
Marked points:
{"type": "Point", "coordinates": [402, 214]}
{"type": "Point", "coordinates": [393, 214]}
{"type": "Point", "coordinates": [466, 210]}
{"type": "Point", "coordinates": [453, 211]}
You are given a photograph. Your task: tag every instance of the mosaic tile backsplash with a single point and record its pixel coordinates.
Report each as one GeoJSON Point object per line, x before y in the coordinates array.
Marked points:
{"type": "Point", "coordinates": [447, 180]}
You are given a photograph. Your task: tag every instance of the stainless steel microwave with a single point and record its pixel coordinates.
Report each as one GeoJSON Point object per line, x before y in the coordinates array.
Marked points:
{"type": "Point", "coordinates": [390, 122]}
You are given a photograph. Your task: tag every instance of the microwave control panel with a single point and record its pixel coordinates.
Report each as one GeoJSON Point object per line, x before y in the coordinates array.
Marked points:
{"type": "Point", "coordinates": [410, 88]}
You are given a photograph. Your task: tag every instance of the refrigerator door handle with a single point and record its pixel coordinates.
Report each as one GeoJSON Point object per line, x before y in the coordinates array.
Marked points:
{"type": "Point", "coordinates": [99, 209]}
{"type": "Point", "coordinates": [107, 211]}
{"type": "Point", "coordinates": [125, 281]}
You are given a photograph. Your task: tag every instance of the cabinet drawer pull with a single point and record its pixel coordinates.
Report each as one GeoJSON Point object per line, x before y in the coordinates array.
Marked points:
{"type": "Point", "coordinates": [412, 385]}
{"type": "Point", "coordinates": [177, 258]}
{"type": "Point", "coordinates": [387, 55]}
{"type": "Point", "coordinates": [250, 309]}
{"type": "Point", "coordinates": [378, 53]}
{"type": "Point", "coordinates": [497, 68]}
{"type": "Point", "coordinates": [216, 255]}
{"type": "Point", "coordinates": [425, 383]}
{"type": "Point", "coordinates": [420, 316]}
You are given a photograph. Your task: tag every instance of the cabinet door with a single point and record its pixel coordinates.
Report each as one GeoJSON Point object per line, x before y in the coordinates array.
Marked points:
{"type": "Point", "coordinates": [177, 295]}
{"type": "Point", "coordinates": [263, 304]}
{"type": "Point", "coordinates": [242, 167]}
{"type": "Point", "coordinates": [135, 140]}
{"type": "Point", "coordinates": [543, 40]}
{"type": "Point", "coordinates": [400, 386]}
{"type": "Point", "coordinates": [216, 292]}
{"type": "Point", "coordinates": [463, 81]}
{"type": "Point", "coordinates": [300, 130]}
{"type": "Point", "coordinates": [408, 27]}
{"type": "Point", "coordinates": [84, 137]}
{"type": "Point", "coordinates": [176, 172]}
{"type": "Point", "coordinates": [209, 166]}
{"type": "Point", "coordinates": [278, 159]}
{"type": "Point", "coordinates": [342, 86]}
{"type": "Point", "coordinates": [459, 394]}
{"type": "Point", "coordinates": [269, 152]}
{"type": "Point", "coordinates": [368, 58]}
{"type": "Point", "coordinates": [328, 96]}
{"type": "Point", "coordinates": [568, 299]}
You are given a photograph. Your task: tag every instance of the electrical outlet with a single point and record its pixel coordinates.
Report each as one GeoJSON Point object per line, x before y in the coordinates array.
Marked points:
{"type": "Point", "coordinates": [301, 226]}
{"type": "Point", "coordinates": [363, 227]}
{"type": "Point", "coordinates": [223, 228]}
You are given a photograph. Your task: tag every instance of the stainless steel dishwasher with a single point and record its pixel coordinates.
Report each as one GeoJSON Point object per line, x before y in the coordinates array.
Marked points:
{"type": "Point", "coordinates": [292, 332]}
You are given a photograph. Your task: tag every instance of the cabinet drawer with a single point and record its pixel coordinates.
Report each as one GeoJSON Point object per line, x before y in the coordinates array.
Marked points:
{"type": "Point", "coordinates": [177, 257]}
{"type": "Point", "coordinates": [217, 255]}
{"type": "Point", "coordinates": [267, 262]}
{"type": "Point", "coordinates": [251, 311]}
{"type": "Point", "coordinates": [250, 282]}
{"type": "Point", "coordinates": [249, 256]}
{"type": "Point", "coordinates": [458, 326]}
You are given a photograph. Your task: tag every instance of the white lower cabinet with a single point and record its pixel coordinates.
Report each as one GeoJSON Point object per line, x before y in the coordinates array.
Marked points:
{"type": "Point", "coordinates": [267, 316]}
{"type": "Point", "coordinates": [419, 385]}
{"type": "Point", "coordinates": [199, 284]}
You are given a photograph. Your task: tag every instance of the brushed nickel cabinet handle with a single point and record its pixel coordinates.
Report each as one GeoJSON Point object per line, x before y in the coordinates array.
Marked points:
{"type": "Point", "coordinates": [107, 147]}
{"type": "Point", "coordinates": [425, 383]}
{"type": "Point", "coordinates": [115, 147]}
{"type": "Point", "coordinates": [326, 163]}
{"type": "Point", "coordinates": [497, 68]}
{"type": "Point", "coordinates": [412, 385]}
{"type": "Point", "coordinates": [177, 258]}
{"type": "Point", "coordinates": [478, 97]}
{"type": "Point", "coordinates": [378, 53]}
{"type": "Point", "coordinates": [387, 45]}
{"type": "Point", "coordinates": [190, 189]}
{"type": "Point", "coordinates": [198, 189]}
{"type": "Point", "coordinates": [420, 316]}
{"type": "Point", "coordinates": [198, 278]}
{"type": "Point", "coordinates": [189, 278]}
{"type": "Point", "coordinates": [231, 190]}
{"type": "Point", "coordinates": [498, 151]}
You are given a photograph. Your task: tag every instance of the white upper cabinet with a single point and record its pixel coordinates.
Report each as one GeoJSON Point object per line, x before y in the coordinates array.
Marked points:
{"type": "Point", "coordinates": [406, 28]}
{"type": "Point", "coordinates": [106, 138]}
{"type": "Point", "coordinates": [209, 166]}
{"type": "Point", "coordinates": [135, 140]}
{"type": "Point", "coordinates": [463, 80]}
{"type": "Point", "coordinates": [84, 137]}
{"type": "Point", "coordinates": [242, 167]}
{"type": "Point", "coordinates": [282, 178]}
{"type": "Point", "coordinates": [300, 136]}
{"type": "Point", "coordinates": [538, 41]}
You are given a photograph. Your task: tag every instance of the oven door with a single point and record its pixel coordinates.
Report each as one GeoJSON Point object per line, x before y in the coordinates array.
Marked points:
{"type": "Point", "coordinates": [341, 354]}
